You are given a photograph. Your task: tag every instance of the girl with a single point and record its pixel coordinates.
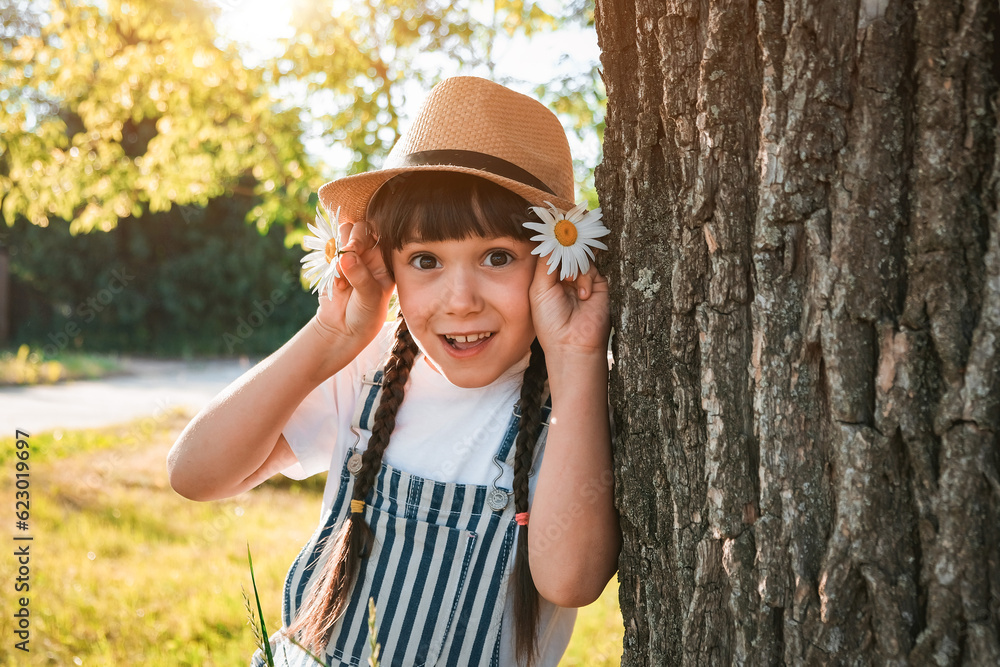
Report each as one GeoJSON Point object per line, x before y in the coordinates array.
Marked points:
{"type": "Point", "coordinates": [474, 547]}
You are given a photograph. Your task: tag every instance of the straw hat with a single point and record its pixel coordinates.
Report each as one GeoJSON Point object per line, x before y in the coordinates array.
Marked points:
{"type": "Point", "coordinates": [472, 126]}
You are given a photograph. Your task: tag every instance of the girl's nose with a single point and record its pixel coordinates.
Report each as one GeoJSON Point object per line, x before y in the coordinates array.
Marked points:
{"type": "Point", "coordinates": [461, 294]}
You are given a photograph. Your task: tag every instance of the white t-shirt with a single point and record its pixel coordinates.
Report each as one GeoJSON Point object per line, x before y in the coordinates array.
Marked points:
{"type": "Point", "coordinates": [443, 432]}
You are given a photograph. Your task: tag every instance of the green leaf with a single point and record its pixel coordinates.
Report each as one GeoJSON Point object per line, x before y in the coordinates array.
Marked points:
{"type": "Point", "coordinates": [260, 612]}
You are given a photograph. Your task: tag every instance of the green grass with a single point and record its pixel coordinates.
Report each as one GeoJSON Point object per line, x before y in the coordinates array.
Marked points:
{"type": "Point", "coordinates": [126, 572]}
{"type": "Point", "coordinates": [125, 439]}
{"type": "Point", "coordinates": [28, 367]}
{"type": "Point", "coordinates": [598, 634]}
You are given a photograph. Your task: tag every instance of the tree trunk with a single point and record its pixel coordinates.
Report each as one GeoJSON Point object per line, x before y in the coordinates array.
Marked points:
{"type": "Point", "coordinates": [805, 269]}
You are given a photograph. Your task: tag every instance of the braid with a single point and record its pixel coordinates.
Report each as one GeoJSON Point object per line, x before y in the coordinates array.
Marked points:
{"type": "Point", "coordinates": [331, 593]}
{"type": "Point", "coordinates": [397, 372]}
{"type": "Point", "coordinates": [525, 593]}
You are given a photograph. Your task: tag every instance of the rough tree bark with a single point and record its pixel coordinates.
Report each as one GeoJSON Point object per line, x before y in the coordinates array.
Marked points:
{"type": "Point", "coordinates": [803, 197]}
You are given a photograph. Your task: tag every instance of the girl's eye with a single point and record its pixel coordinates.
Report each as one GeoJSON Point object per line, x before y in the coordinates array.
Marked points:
{"type": "Point", "coordinates": [425, 262]}
{"type": "Point", "coordinates": [499, 258]}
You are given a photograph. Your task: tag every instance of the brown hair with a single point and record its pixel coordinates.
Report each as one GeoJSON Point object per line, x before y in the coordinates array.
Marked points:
{"type": "Point", "coordinates": [432, 206]}
{"type": "Point", "coordinates": [330, 594]}
{"type": "Point", "coordinates": [443, 206]}
{"type": "Point", "coordinates": [525, 593]}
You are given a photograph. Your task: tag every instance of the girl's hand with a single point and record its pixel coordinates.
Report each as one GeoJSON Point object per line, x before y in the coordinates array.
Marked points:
{"type": "Point", "coordinates": [574, 496]}
{"type": "Point", "coordinates": [360, 300]}
{"type": "Point", "coordinates": [571, 316]}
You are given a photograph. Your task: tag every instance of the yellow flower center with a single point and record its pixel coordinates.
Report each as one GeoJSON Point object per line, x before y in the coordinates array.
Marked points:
{"type": "Point", "coordinates": [330, 250]}
{"type": "Point", "coordinates": [565, 232]}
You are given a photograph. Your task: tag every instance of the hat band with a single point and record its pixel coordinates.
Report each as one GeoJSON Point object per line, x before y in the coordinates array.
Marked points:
{"type": "Point", "coordinates": [474, 160]}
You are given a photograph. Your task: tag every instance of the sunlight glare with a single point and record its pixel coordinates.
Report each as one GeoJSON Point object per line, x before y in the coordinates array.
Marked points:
{"type": "Point", "coordinates": [256, 24]}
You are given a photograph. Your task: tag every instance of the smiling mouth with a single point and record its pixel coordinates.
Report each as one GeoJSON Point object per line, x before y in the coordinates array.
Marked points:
{"type": "Point", "coordinates": [467, 341]}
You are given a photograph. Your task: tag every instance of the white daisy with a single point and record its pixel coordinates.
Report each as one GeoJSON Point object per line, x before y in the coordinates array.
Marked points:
{"type": "Point", "coordinates": [320, 266]}
{"type": "Point", "coordinates": [568, 237]}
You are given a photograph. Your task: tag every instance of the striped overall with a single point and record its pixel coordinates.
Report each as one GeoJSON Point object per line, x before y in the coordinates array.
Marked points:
{"type": "Point", "coordinates": [438, 571]}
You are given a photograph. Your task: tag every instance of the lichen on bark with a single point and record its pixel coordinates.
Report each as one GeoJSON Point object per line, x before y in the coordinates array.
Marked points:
{"type": "Point", "coordinates": [808, 405]}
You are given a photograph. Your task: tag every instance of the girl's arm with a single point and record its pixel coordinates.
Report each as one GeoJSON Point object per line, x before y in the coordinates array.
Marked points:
{"type": "Point", "coordinates": [235, 443]}
{"type": "Point", "coordinates": [574, 537]}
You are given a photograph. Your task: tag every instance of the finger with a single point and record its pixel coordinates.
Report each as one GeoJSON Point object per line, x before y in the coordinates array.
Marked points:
{"type": "Point", "coordinates": [590, 282]}
{"type": "Point", "coordinates": [326, 304]}
{"type": "Point", "coordinates": [376, 264]}
{"type": "Point", "coordinates": [360, 239]}
{"type": "Point", "coordinates": [545, 278]}
{"type": "Point", "coordinates": [600, 283]}
{"type": "Point", "coordinates": [343, 234]}
{"type": "Point", "coordinates": [368, 288]}
{"type": "Point", "coordinates": [344, 230]}
{"type": "Point", "coordinates": [583, 287]}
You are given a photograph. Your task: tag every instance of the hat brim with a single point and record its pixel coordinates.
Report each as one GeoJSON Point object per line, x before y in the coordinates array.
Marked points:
{"type": "Point", "coordinates": [352, 194]}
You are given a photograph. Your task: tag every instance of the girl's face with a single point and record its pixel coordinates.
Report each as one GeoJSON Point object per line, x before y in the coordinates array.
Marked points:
{"type": "Point", "coordinates": [466, 304]}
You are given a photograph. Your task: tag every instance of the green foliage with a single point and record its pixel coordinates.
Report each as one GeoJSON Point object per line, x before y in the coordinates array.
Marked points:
{"type": "Point", "coordinates": [360, 62]}
{"type": "Point", "coordinates": [136, 115]}
{"type": "Point", "coordinates": [191, 281]}
{"type": "Point", "coordinates": [28, 367]}
{"type": "Point", "coordinates": [117, 108]}
{"type": "Point", "coordinates": [114, 109]}
{"type": "Point", "coordinates": [581, 102]}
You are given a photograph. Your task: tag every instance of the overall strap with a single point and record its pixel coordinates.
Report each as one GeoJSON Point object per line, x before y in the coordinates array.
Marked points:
{"type": "Point", "coordinates": [499, 496]}
{"type": "Point", "coordinates": [368, 401]}
{"type": "Point", "coordinates": [506, 451]}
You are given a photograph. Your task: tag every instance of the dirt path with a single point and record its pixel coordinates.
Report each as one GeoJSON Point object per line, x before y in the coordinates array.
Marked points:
{"type": "Point", "coordinates": [150, 387]}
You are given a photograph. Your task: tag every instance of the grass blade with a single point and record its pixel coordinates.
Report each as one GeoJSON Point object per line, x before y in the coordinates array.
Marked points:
{"type": "Point", "coordinates": [312, 655]}
{"type": "Point", "coordinates": [260, 613]}
{"type": "Point", "coordinates": [372, 639]}
{"type": "Point", "coordinates": [252, 621]}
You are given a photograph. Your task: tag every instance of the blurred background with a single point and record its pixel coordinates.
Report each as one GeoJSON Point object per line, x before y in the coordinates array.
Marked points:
{"type": "Point", "coordinates": [159, 161]}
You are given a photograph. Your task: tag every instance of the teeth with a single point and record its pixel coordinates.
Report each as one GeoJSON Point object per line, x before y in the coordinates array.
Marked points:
{"type": "Point", "coordinates": [471, 338]}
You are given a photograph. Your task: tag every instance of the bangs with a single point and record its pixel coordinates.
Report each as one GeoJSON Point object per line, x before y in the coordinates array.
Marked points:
{"type": "Point", "coordinates": [445, 206]}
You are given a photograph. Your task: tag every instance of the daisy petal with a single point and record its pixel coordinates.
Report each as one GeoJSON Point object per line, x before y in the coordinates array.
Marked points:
{"type": "Point", "coordinates": [315, 268]}
{"type": "Point", "coordinates": [547, 247]}
{"type": "Point", "coordinates": [579, 262]}
{"type": "Point", "coordinates": [573, 259]}
{"type": "Point", "coordinates": [576, 210]}
{"type": "Point", "coordinates": [566, 272]}
{"type": "Point", "coordinates": [591, 216]}
{"type": "Point", "coordinates": [538, 227]}
{"type": "Point", "coordinates": [594, 225]}
{"type": "Point", "coordinates": [544, 215]}
{"type": "Point", "coordinates": [595, 243]}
